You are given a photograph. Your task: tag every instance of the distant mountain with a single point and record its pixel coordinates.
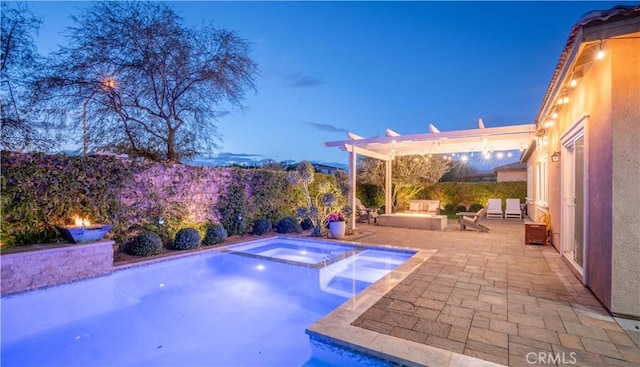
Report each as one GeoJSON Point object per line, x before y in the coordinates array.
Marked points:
{"type": "Point", "coordinates": [225, 159]}
{"type": "Point", "coordinates": [228, 159]}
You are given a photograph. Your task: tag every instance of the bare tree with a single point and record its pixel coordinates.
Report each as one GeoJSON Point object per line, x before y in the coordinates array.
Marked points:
{"type": "Point", "coordinates": [148, 85]}
{"type": "Point", "coordinates": [410, 175]}
{"type": "Point", "coordinates": [22, 128]}
{"type": "Point", "coordinates": [459, 172]}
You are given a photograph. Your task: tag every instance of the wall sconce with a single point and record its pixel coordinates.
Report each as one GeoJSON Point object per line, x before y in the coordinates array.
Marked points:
{"type": "Point", "coordinates": [555, 157]}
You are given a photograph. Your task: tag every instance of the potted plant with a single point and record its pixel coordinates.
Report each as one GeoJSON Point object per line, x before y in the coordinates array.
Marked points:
{"type": "Point", "coordinates": [337, 224]}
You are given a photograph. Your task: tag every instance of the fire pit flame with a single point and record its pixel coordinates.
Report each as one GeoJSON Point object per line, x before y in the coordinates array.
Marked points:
{"type": "Point", "coordinates": [81, 222]}
{"type": "Point", "coordinates": [82, 230]}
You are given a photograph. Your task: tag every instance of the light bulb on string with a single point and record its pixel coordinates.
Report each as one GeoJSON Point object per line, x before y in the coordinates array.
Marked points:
{"type": "Point", "coordinates": [600, 54]}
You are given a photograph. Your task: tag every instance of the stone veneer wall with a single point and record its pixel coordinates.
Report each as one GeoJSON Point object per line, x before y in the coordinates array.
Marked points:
{"type": "Point", "coordinates": [37, 266]}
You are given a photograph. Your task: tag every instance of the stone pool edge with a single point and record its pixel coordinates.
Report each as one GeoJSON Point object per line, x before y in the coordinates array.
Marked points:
{"type": "Point", "coordinates": [335, 328]}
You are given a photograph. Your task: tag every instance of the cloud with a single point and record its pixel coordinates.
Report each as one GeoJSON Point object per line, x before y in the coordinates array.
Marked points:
{"type": "Point", "coordinates": [301, 80]}
{"type": "Point", "coordinates": [327, 127]}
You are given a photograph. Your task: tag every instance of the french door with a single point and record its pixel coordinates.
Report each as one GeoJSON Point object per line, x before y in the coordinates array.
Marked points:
{"type": "Point", "coordinates": [574, 247]}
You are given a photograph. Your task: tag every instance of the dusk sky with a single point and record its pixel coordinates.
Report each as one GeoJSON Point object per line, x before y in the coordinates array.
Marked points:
{"type": "Point", "coordinates": [331, 67]}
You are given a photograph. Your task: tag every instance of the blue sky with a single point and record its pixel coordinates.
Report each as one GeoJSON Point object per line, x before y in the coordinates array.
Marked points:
{"type": "Point", "coordinates": [331, 67]}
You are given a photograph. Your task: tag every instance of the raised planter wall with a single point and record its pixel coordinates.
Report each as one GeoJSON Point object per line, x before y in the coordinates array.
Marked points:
{"type": "Point", "coordinates": [37, 266]}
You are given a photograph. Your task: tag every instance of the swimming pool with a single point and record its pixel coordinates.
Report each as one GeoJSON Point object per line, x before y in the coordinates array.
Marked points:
{"type": "Point", "coordinates": [213, 309]}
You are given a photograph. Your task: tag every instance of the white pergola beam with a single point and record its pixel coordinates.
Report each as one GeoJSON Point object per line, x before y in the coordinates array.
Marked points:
{"type": "Point", "coordinates": [366, 152]}
{"type": "Point", "coordinates": [392, 133]}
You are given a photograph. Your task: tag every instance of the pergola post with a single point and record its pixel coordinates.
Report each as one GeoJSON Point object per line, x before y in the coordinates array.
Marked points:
{"type": "Point", "coordinates": [352, 182]}
{"type": "Point", "coordinates": [388, 194]}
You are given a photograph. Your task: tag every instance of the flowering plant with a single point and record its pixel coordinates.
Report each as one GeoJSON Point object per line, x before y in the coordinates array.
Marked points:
{"type": "Point", "coordinates": [335, 217]}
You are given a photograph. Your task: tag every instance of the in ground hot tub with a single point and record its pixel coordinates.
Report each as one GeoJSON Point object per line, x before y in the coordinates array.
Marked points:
{"type": "Point", "coordinates": [296, 251]}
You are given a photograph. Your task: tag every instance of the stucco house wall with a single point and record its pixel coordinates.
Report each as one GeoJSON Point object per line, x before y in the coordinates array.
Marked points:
{"type": "Point", "coordinates": [606, 100]}
{"type": "Point", "coordinates": [506, 176]}
{"type": "Point", "coordinates": [625, 292]}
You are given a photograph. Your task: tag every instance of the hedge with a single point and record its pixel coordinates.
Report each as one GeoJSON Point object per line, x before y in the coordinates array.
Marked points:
{"type": "Point", "coordinates": [40, 191]}
{"type": "Point", "coordinates": [454, 193]}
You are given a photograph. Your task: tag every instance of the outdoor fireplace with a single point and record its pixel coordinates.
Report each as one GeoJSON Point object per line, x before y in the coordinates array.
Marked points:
{"type": "Point", "coordinates": [83, 231]}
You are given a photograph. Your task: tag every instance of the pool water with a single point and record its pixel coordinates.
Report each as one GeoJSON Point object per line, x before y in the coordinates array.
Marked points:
{"type": "Point", "coordinates": [215, 309]}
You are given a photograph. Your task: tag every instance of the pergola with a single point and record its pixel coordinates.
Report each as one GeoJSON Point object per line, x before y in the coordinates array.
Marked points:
{"type": "Point", "coordinates": [480, 140]}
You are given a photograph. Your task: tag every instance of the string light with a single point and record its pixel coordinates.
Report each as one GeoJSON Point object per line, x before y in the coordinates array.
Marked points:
{"type": "Point", "coordinates": [600, 54]}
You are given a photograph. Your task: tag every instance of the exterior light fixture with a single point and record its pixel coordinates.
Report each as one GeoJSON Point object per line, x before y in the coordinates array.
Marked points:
{"type": "Point", "coordinates": [554, 115]}
{"type": "Point", "coordinates": [600, 54]}
{"type": "Point", "coordinates": [565, 100]}
{"type": "Point", "coordinates": [573, 83]}
{"type": "Point", "coordinates": [555, 157]}
{"type": "Point", "coordinates": [549, 123]}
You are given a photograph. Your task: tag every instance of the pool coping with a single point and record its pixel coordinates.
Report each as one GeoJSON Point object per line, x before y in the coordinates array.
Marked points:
{"type": "Point", "coordinates": [335, 327]}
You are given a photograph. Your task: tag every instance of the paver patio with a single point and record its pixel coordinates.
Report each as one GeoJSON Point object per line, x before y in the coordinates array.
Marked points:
{"type": "Point", "coordinates": [490, 296]}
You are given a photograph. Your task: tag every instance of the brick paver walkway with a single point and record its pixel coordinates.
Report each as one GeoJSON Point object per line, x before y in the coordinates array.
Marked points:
{"type": "Point", "coordinates": [490, 296]}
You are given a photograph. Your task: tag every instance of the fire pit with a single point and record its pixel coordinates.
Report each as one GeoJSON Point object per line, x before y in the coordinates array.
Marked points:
{"type": "Point", "coordinates": [83, 231]}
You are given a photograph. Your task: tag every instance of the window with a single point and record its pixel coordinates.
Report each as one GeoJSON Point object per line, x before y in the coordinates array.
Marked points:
{"type": "Point", "coordinates": [541, 181]}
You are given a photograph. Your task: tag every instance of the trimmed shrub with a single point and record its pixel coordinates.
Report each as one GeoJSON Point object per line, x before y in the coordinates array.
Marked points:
{"type": "Point", "coordinates": [233, 208]}
{"type": "Point", "coordinates": [288, 225]}
{"type": "Point", "coordinates": [261, 226]}
{"type": "Point", "coordinates": [306, 224]}
{"type": "Point", "coordinates": [475, 207]}
{"type": "Point", "coordinates": [146, 244]}
{"type": "Point", "coordinates": [448, 207]}
{"type": "Point", "coordinates": [186, 239]}
{"type": "Point", "coordinates": [215, 234]}
{"type": "Point", "coordinates": [461, 208]}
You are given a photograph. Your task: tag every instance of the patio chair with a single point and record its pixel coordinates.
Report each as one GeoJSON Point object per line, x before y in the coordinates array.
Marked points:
{"type": "Point", "coordinates": [513, 209]}
{"type": "Point", "coordinates": [494, 208]}
{"type": "Point", "coordinates": [472, 222]}
{"type": "Point", "coordinates": [363, 214]}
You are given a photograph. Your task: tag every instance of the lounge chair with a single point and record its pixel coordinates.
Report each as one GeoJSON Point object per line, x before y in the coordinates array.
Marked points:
{"type": "Point", "coordinates": [472, 222]}
{"type": "Point", "coordinates": [513, 209]}
{"type": "Point", "coordinates": [494, 208]}
{"type": "Point", "coordinates": [363, 214]}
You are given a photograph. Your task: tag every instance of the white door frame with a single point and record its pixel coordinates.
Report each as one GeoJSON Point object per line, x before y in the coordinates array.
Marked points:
{"type": "Point", "coordinates": [567, 140]}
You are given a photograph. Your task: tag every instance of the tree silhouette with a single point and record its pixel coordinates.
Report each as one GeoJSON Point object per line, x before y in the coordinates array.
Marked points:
{"type": "Point", "coordinates": [410, 175]}
{"type": "Point", "coordinates": [149, 86]}
{"type": "Point", "coordinates": [22, 127]}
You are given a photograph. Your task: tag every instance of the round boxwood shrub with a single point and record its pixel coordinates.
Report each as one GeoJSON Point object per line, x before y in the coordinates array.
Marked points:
{"type": "Point", "coordinates": [475, 207]}
{"type": "Point", "coordinates": [214, 235]}
{"type": "Point", "coordinates": [186, 239]}
{"type": "Point", "coordinates": [146, 244]}
{"type": "Point", "coordinates": [261, 226]}
{"type": "Point", "coordinates": [448, 207]}
{"type": "Point", "coordinates": [288, 225]}
{"type": "Point", "coordinates": [461, 208]}
{"type": "Point", "coordinates": [306, 224]}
